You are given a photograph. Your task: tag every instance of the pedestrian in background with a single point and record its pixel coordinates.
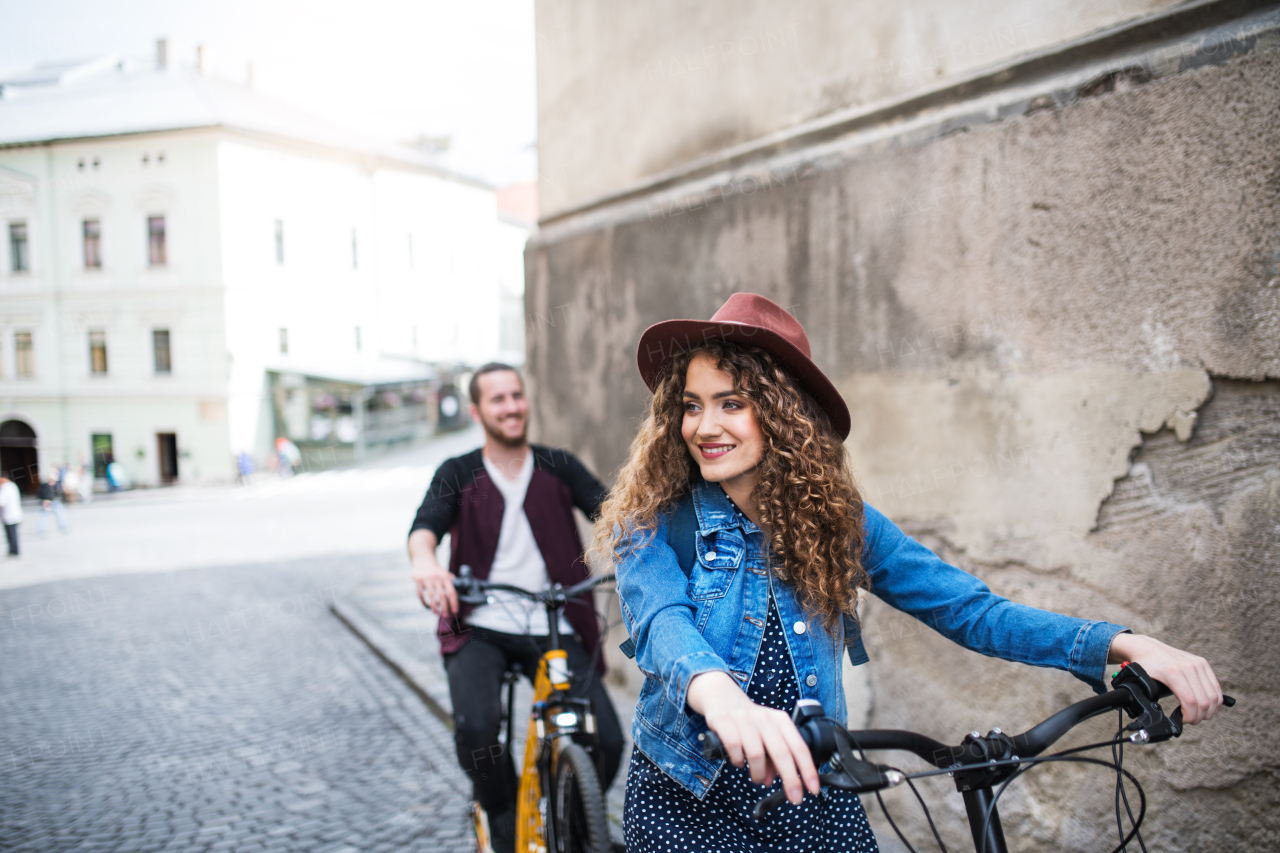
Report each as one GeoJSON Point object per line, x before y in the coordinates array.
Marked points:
{"type": "Point", "coordinates": [244, 465]}
{"type": "Point", "coordinates": [85, 477]}
{"type": "Point", "coordinates": [70, 484]}
{"type": "Point", "coordinates": [115, 477]}
{"type": "Point", "coordinates": [50, 495]}
{"type": "Point", "coordinates": [288, 455]}
{"type": "Point", "coordinates": [10, 511]}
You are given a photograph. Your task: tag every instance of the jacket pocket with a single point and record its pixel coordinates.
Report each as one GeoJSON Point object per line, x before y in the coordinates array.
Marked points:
{"type": "Point", "coordinates": [719, 557]}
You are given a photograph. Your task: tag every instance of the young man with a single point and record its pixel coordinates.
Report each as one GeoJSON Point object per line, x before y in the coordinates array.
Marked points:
{"type": "Point", "coordinates": [509, 509]}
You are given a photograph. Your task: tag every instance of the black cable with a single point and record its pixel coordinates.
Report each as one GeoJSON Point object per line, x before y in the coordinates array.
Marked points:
{"type": "Point", "coordinates": [1142, 812]}
{"type": "Point", "coordinates": [1024, 765]}
{"type": "Point", "coordinates": [1008, 762]}
{"type": "Point", "coordinates": [1118, 756]}
{"type": "Point", "coordinates": [927, 816]}
{"type": "Point", "coordinates": [602, 623]}
{"type": "Point", "coordinates": [889, 817]}
{"type": "Point", "coordinates": [1033, 762]}
{"type": "Point", "coordinates": [1129, 811]}
{"type": "Point", "coordinates": [507, 605]}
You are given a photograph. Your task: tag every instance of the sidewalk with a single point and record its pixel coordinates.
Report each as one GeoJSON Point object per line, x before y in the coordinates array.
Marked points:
{"type": "Point", "coordinates": [356, 511]}
{"type": "Point", "coordinates": [384, 611]}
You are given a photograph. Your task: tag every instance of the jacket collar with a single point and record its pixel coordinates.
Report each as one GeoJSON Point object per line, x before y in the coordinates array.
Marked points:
{"type": "Point", "coordinates": [715, 511]}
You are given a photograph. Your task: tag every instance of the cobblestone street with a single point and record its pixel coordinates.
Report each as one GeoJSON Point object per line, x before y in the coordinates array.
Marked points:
{"type": "Point", "coordinates": [217, 709]}
{"type": "Point", "coordinates": [173, 678]}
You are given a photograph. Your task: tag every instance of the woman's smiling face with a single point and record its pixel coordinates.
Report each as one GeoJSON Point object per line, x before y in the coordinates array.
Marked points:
{"type": "Point", "coordinates": [720, 427]}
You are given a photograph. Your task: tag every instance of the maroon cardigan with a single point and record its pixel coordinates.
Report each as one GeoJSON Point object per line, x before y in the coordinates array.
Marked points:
{"type": "Point", "coordinates": [465, 503]}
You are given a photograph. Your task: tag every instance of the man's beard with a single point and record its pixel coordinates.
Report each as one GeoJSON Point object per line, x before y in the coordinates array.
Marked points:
{"type": "Point", "coordinates": [497, 435]}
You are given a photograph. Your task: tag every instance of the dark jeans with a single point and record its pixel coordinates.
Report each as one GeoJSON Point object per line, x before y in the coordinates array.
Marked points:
{"type": "Point", "coordinates": [475, 685]}
{"type": "Point", "coordinates": [11, 533]}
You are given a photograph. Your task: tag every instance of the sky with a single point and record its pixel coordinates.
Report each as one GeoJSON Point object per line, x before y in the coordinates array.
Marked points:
{"type": "Point", "coordinates": [395, 69]}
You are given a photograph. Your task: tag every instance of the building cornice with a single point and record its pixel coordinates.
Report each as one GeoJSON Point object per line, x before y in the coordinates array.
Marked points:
{"type": "Point", "coordinates": [370, 159]}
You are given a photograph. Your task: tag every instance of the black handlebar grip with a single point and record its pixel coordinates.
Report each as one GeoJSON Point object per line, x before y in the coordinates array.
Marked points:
{"type": "Point", "coordinates": [1176, 716]}
{"type": "Point", "coordinates": [712, 748]}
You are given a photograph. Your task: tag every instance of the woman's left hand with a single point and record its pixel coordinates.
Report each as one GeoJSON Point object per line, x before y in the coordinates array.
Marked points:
{"type": "Point", "coordinates": [1189, 676]}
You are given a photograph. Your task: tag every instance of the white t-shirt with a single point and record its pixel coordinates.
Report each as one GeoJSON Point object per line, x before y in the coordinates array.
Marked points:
{"type": "Point", "coordinates": [518, 562]}
{"type": "Point", "coordinates": [11, 503]}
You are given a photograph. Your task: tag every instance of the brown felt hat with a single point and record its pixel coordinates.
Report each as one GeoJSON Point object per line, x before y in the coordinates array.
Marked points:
{"type": "Point", "coordinates": [750, 319]}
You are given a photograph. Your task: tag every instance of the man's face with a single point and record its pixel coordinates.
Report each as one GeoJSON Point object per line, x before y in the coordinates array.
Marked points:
{"type": "Point", "coordinates": [503, 410]}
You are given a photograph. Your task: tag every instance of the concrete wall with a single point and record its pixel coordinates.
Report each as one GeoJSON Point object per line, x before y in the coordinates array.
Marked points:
{"type": "Point", "coordinates": [661, 83]}
{"type": "Point", "coordinates": [1058, 335]}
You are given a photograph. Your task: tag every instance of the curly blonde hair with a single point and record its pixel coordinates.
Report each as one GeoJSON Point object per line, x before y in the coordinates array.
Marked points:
{"type": "Point", "coordinates": [810, 509]}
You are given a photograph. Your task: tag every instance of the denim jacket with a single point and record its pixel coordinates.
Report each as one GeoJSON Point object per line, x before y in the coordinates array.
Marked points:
{"type": "Point", "coordinates": [714, 620]}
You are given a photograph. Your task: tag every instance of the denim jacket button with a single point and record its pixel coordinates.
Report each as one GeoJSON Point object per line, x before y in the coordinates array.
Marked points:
{"type": "Point", "coordinates": [710, 555]}
{"type": "Point", "coordinates": [799, 627]}
{"type": "Point", "coordinates": [812, 680]}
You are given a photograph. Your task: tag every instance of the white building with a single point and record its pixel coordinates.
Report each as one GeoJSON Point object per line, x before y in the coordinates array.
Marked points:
{"type": "Point", "coordinates": [192, 270]}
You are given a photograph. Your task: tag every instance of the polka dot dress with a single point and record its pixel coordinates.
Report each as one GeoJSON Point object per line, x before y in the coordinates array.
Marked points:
{"type": "Point", "coordinates": [662, 817]}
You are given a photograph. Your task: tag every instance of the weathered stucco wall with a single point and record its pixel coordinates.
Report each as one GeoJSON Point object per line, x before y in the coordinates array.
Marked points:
{"type": "Point", "coordinates": [682, 80]}
{"type": "Point", "coordinates": [1059, 335]}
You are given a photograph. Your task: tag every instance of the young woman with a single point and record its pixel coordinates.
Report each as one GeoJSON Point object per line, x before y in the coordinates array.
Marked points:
{"type": "Point", "coordinates": [750, 609]}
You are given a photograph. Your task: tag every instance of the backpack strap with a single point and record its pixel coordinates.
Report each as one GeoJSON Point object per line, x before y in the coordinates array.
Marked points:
{"type": "Point", "coordinates": [853, 641]}
{"type": "Point", "coordinates": [682, 526]}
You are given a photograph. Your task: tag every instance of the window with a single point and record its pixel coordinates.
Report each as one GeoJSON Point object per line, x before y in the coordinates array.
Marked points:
{"type": "Point", "coordinates": [357, 339]}
{"type": "Point", "coordinates": [102, 455]}
{"type": "Point", "coordinates": [160, 350]}
{"type": "Point", "coordinates": [23, 355]}
{"type": "Point", "coordinates": [19, 259]}
{"type": "Point", "coordinates": [354, 254]}
{"type": "Point", "coordinates": [155, 241]}
{"type": "Point", "coordinates": [97, 352]}
{"type": "Point", "coordinates": [280, 242]}
{"type": "Point", "coordinates": [284, 341]}
{"type": "Point", "coordinates": [92, 244]}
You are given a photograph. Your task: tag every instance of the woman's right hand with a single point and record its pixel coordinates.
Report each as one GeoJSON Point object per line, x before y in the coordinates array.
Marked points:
{"type": "Point", "coordinates": [764, 739]}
